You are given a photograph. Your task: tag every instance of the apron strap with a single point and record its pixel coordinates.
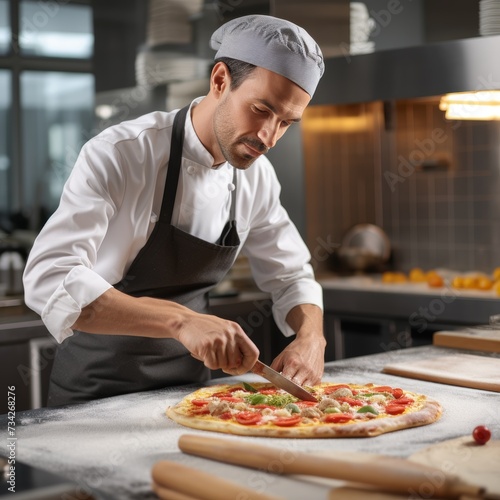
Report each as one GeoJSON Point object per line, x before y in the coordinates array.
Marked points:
{"type": "Point", "coordinates": [229, 236]}
{"type": "Point", "coordinates": [232, 213]}
{"type": "Point", "coordinates": [174, 166]}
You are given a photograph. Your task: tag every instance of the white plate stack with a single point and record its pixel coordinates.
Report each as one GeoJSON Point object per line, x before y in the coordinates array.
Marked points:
{"type": "Point", "coordinates": [169, 21]}
{"type": "Point", "coordinates": [157, 67]}
{"type": "Point", "coordinates": [182, 93]}
{"type": "Point", "coordinates": [489, 17]}
{"type": "Point", "coordinates": [169, 55]}
{"type": "Point", "coordinates": [361, 26]}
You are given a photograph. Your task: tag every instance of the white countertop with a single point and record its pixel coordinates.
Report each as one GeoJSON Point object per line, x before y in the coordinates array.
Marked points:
{"type": "Point", "coordinates": [374, 283]}
{"type": "Point", "coordinates": [110, 445]}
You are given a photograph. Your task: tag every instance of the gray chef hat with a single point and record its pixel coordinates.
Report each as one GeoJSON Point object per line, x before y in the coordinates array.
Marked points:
{"type": "Point", "coordinates": [274, 44]}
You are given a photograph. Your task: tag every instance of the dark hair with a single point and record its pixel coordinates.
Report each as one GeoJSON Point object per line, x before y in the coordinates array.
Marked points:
{"type": "Point", "coordinates": [238, 70]}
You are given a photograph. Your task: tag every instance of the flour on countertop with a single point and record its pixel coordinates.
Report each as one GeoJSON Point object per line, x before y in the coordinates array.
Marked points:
{"type": "Point", "coordinates": [110, 445]}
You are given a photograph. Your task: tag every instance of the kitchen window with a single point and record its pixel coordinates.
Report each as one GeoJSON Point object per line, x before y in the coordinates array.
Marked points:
{"type": "Point", "coordinates": [46, 104]}
{"type": "Point", "coordinates": [56, 118]}
{"type": "Point", "coordinates": [5, 163]}
{"type": "Point", "coordinates": [55, 29]}
{"type": "Point", "coordinates": [5, 33]}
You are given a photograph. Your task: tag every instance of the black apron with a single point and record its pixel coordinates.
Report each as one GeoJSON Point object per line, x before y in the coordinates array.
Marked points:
{"type": "Point", "coordinates": [172, 265]}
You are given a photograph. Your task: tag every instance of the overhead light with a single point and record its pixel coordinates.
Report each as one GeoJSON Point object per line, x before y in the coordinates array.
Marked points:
{"type": "Point", "coordinates": [323, 124]}
{"type": "Point", "coordinates": [480, 105]}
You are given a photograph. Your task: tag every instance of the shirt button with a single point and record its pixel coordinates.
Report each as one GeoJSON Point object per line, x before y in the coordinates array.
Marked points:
{"type": "Point", "coordinates": [191, 170]}
{"type": "Point", "coordinates": [153, 218]}
{"type": "Point", "coordinates": [231, 186]}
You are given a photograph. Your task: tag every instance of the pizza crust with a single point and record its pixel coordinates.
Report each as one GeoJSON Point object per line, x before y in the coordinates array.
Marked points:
{"type": "Point", "coordinates": [424, 411]}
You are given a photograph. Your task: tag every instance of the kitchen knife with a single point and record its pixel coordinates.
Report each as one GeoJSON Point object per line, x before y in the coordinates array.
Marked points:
{"type": "Point", "coordinates": [282, 382]}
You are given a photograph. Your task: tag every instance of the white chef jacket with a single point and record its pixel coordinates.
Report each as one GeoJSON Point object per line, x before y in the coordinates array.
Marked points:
{"type": "Point", "coordinates": [112, 201]}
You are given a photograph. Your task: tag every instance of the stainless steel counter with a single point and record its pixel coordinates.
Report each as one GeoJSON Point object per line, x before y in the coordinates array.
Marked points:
{"type": "Point", "coordinates": [109, 446]}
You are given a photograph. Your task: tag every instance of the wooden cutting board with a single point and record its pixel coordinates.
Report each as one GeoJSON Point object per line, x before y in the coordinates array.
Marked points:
{"type": "Point", "coordinates": [465, 370]}
{"type": "Point", "coordinates": [475, 339]}
{"type": "Point", "coordinates": [460, 456]}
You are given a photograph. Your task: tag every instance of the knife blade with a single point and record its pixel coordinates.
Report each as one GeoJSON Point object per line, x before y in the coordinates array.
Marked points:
{"type": "Point", "coordinates": [282, 382]}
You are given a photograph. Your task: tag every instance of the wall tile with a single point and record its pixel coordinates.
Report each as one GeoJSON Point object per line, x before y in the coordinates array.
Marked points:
{"type": "Point", "coordinates": [434, 217]}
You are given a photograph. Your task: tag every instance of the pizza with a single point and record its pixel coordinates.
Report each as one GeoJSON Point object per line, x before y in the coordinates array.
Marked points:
{"type": "Point", "coordinates": [342, 410]}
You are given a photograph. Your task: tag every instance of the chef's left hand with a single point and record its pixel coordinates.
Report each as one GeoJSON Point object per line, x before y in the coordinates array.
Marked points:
{"type": "Point", "coordinates": [303, 360]}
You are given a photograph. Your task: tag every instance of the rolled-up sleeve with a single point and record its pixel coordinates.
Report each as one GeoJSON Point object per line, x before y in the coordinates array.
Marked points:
{"type": "Point", "coordinates": [80, 287]}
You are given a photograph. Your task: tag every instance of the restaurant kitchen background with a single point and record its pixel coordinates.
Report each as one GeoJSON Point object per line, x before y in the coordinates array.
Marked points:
{"type": "Point", "coordinates": [374, 152]}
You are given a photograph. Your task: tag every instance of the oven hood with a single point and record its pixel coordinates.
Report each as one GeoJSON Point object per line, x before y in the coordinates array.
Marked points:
{"type": "Point", "coordinates": [421, 71]}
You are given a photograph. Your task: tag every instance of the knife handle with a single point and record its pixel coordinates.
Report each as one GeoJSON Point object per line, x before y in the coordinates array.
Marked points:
{"type": "Point", "coordinates": [258, 367]}
{"type": "Point", "coordinates": [390, 474]}
{"type": "Point", "coordinates": [198, 485]}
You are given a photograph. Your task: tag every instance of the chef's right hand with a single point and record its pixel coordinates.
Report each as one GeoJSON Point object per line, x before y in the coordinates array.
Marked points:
{"type": "Point", "coordinates": [218, 343]}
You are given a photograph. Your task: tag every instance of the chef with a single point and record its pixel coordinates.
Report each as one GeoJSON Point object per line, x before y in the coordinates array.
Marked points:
{"type": "Point", "coordinates": [155, 212]}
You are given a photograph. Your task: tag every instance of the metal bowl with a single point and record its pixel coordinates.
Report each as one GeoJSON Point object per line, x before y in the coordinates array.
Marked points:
{"type": "Point", "coordinates": [364, 247]}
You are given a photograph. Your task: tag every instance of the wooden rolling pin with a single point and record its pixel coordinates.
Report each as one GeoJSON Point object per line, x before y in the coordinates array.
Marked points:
{"type": "Point", "coordinates": [393, 475]}
{"type": "Point", "coordinates": [177, 481]}
{"type": "Point", "coordinates": [168, 494]}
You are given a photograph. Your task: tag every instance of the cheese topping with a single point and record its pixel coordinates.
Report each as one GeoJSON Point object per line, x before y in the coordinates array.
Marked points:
{"type": "Point", "coordinates": [267, 405]}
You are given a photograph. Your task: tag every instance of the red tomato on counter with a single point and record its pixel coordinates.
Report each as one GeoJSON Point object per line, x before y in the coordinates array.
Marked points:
{"type": "Point", "coordinates": [481, 434]}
